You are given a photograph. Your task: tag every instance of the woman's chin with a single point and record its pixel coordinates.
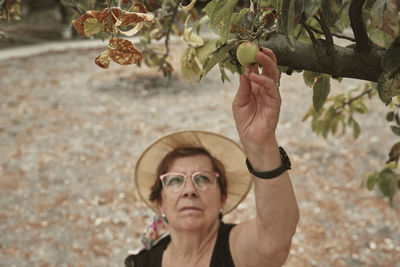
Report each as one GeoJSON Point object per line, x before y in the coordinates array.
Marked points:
{"type": "Point", "coordinates": [189, 222]}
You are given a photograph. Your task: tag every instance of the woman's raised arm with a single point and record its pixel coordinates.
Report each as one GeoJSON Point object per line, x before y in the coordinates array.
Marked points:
{"type": "Point", "coordinates": [265, 240]}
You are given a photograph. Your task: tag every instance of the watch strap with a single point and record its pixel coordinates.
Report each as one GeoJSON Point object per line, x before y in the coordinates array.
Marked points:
{"type": "Point", "coordinates": [286, 165]}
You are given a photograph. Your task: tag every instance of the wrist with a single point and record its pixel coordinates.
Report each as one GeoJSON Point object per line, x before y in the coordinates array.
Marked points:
{"type": "Point", "coordinates": [273, 173]}
{"type": "Point", "coordinates": [263, 156]}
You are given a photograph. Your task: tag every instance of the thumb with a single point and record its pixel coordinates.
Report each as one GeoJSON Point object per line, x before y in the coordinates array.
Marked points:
{"type": "Point", "coordinates": [243, 93]}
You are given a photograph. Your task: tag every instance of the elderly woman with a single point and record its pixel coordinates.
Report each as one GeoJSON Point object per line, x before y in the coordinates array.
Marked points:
{"type": "Point", "coordinates": [193, 177]}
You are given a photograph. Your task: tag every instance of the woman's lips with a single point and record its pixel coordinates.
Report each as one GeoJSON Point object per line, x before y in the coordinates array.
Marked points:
{"type": "Point", "coordinates": [189, 208]}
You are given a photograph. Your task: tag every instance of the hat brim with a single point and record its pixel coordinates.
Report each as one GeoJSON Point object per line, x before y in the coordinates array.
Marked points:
{"type": "Point", "coordinates": [227, 151]}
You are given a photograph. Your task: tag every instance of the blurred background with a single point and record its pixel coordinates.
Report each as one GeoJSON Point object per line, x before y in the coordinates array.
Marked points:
{"type": "Point", "coordinates": [71, 132]}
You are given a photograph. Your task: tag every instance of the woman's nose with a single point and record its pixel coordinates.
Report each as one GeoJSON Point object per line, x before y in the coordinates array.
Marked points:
{"type": "Point", "coordinates": [189, 189]}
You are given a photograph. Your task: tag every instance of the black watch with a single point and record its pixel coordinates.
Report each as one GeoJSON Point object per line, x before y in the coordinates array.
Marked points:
{"type": "Point", "coordinates": [286, 165]}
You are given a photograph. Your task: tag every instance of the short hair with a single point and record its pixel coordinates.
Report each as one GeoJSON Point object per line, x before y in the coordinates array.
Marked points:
{"type": "Point", "coordinates": [155, 194]}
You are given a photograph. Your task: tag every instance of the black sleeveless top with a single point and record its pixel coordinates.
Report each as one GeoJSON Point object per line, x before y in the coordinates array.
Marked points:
{"type": "Point", "coordinates": [221, 256]}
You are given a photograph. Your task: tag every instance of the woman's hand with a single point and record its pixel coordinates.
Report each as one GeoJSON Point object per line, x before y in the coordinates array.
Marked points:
{"type": "Point", "coordinates": [257, 103]}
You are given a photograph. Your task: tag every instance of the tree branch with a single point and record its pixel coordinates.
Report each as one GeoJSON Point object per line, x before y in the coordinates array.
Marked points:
{"type": "Point", "coordinates": [363, 43]}
{"type": "Point", "coordinates": [343, 62]}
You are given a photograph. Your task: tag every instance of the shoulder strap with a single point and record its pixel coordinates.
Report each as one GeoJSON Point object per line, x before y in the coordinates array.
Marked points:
{"type": "Point", "coordinates": [152, 257]}
{"type": "Point", "coordinates": [221, 256]}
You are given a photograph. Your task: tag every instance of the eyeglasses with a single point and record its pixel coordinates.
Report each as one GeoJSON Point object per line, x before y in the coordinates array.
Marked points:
{"type": "Point", "coordinates": [175, 181]}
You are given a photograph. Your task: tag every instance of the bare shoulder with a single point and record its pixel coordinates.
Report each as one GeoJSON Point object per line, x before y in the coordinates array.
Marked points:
{"type": "Point", "coordinates": [240, 243]}
{"type": "Point", "coordinates": [250, 249]}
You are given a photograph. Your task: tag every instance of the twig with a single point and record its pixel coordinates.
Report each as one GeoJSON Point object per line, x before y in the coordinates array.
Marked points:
{"type": "Point", "coordinates": [77, 10]}
{"type": "Point", "coordinates": [325, 28]}
{"type": "Point", "coordinates": [110, 19]}
{"type": "Point", "coordinates": [351, 100]}
{"type": "Point", "coordinates": [363, 43]}
{"type": "Point", "coordinates": [310, 33]}
{"type": "Point", "coordinates": [338, 35]}
{"type": "Point", "coordinates": [175, 10]}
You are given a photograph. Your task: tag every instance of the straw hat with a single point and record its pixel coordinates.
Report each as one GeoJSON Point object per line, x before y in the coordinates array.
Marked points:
{"type": "Point", "coordinates": [222, 148]}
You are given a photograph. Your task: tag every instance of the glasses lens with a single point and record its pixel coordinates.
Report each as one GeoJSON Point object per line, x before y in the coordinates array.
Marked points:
{"type": "Point", "coordinates": [173, 181]}
{"type": "Point", "coordinates": [204, 180]}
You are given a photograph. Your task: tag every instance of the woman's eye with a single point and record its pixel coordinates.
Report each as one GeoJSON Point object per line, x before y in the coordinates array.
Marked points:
{"type": "Point", "coordinates": [174, 180]}
{"type": "Point", "coordinates": [202, 179]}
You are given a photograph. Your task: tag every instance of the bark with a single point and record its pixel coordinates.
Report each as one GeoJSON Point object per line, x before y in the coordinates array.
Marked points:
{"type": "Point", "coordinates": [337, 61]}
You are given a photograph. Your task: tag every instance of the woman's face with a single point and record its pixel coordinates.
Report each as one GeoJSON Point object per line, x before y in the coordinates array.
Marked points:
{"type": "Point", "coordinates": [191, 208]}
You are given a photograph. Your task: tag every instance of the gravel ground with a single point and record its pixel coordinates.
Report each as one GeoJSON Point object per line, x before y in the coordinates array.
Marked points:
{"type": "Point", "coordinates": [70, 134]}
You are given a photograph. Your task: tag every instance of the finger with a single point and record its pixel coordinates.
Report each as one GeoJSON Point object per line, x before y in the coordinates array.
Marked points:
{"type": "Point", "coordinates": [267, 85]}
{"type": "Point", "coordinates": [269, 53]}
{"type": "Point", "coordinates": [243, 93]}
{"type": "Point", "coordinates": [252, 68]}
{"type": "Point", "coordinates": [269, 67]}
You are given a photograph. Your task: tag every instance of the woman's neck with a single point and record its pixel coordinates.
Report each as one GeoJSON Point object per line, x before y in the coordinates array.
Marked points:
{"type": "Point", "coordinates": [191, 248]}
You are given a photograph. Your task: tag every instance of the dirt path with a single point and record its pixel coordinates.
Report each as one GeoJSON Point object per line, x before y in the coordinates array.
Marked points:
{"type": "Point", "coordinates": [70, 134]}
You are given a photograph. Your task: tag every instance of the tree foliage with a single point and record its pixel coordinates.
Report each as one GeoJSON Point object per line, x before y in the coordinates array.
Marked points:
{"type": "Point", "coordinates": [305, 35]}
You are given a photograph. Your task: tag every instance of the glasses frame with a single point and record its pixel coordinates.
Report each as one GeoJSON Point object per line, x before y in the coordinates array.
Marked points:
{"type": "Point", "coordinates": [186, 179]}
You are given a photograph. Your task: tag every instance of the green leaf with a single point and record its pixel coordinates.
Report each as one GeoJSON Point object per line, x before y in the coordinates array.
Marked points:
{"type": "Point", "coordinates": [287, 22]}
{"type": "Point", "coordinates": [359, 106]}
{"type": "Point", "coordinates": [91, 26]}
{"type": "Point", "coordinates": [321, 90]}
{"type": "Point", "coordinates": [390, 116]}
{"type": "Point", "coordinates": [388, 86]}
{"type": "Point", "coordinates": [223, 74]}
{"type": "Point", "coordinates": [298, 7]}
{"type": "Point", "coordinates": [384, 26]}
{"type": "Point", "coordinates": [332, 10]}
{"type": "Point", "coordinates": [356, 129]}
{"type": "Point", "coordinates": [309, 77]}
{"type": "Point", "coordinates": [388, 183]}
{"type": "Point", "coordinates": [391, 58]}
{"type": "Point", "coordinates": [192, 38]}
{"type": "Point", "coordinates": [237, 17]}
{"type": "Point", "coordinates": [394, 154]}
{"type": "Point", "coordinates": [199, 23]}
{"type": "Point", "coordinates": [397, 117]}
{"type": "Point", "coordinates": [204, 51]}
{"type": "Point", "coordinates": [372, 180]}
{"type": "Point", "coordinates": [190, 65]}
{"type": "Point", "coordinates": [316, 125]}
{"type": "Point", "coordinates": [216, 56]}
{"type": "Point", "coordinates": [220, 14]}
{"type": "Point", "coordinates": [395, 130]}
{"type": "Point", "coordinates": [311, 7]}
{"type": "Point", "coordinates": [325, 128]}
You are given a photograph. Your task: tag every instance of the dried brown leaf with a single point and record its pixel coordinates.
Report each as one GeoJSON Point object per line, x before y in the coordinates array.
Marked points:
{"type": "Point", "coordinates": [103, 60]}
{"type": "Point", "coordinates": [126, 18]}
{"type": "Point", "coordinates": [79, 24]}
{"type": "Point", "coordinates": [123, 52]}
{"type": "Point", "coordinates": [138, 7]}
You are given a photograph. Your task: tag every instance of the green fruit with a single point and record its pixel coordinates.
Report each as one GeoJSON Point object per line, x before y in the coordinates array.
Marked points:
{"type": "Point", "coordinates": [246, 53]}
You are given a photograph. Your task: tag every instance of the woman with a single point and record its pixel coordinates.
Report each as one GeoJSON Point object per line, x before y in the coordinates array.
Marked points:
{"type": "Point", "coordinates": [194, 177]}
